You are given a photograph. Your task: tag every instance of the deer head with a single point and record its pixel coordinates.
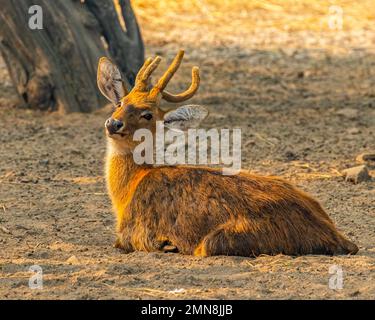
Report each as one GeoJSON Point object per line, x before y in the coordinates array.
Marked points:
{"type": "Point", "coordinates": [140, 108]}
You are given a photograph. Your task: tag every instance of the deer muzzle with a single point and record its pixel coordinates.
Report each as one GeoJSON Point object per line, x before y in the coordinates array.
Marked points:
{"type": "Point", "coordinates": [113, 126]}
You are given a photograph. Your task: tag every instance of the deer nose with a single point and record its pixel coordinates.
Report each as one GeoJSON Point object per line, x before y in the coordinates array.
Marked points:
{"type": "Point", "coordinates": [113, 125]}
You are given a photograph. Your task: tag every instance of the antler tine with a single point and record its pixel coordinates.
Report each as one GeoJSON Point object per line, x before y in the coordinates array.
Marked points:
{"type": "Point", "coordinates": [195, 79]}
{"type": "Point", "coordinates": [143, 68]}
{"type": "Point", "coordinates": [163, 81]}
{"type": "Point", "coordinates": [145, 73]}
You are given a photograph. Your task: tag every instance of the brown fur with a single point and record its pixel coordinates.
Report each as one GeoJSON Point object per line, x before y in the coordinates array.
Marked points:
{"type": "Point", "coordinates": [204, 213]}
{"type": "Point", "coordinates": [199, 210]}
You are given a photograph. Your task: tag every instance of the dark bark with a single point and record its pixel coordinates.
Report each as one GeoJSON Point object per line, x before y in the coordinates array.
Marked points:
{"type": "Point", "coordinates": [55, 67]}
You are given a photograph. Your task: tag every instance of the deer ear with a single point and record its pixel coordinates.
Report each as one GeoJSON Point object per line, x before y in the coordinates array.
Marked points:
{"type": "Point", "coordinates": [185, 117]}
{"type": "Point", "coordinates": [110, 82]}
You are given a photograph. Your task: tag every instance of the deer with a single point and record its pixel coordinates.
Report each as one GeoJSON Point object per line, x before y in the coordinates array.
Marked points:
{"type": "Point", "coordinates": [192, 209]}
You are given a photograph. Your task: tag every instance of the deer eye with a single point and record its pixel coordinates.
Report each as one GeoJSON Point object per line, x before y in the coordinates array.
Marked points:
{"type": "Point", "coordinates": [147, 116]}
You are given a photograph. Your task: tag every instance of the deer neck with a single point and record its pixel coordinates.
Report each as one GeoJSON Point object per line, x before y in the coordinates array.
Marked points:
{"type": "Point", "coordinates": [123, 176]}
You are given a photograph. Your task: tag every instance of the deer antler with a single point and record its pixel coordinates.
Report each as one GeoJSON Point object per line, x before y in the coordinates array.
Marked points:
{"type": "Point", "coordinates": [141, 81]}
{"type": "Point", "coordinates": [195, 79]}
{"type": "Point", "coordinates": [167, 76]}
{"type": "Point", "coordinates": [149, 66]}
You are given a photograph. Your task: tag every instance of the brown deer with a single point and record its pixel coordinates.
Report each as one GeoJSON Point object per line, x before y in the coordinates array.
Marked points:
{"type": "Point", "coordinates": [198, 210]}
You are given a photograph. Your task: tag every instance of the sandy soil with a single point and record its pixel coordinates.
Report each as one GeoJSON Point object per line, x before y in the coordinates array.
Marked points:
{"type": "Point", "coordinates": [304, 96]}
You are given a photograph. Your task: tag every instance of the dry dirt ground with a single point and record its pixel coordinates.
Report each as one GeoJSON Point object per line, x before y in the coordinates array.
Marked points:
{"type": "Point", "coordinates": [304, 96]}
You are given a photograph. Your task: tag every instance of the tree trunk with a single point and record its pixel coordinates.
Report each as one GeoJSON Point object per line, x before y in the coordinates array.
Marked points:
{"type": "Point", "coordinates": [55, 67]}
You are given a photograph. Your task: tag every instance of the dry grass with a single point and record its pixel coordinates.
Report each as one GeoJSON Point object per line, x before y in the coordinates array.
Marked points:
{"type": "Point", "coordinates": [240, 18]}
